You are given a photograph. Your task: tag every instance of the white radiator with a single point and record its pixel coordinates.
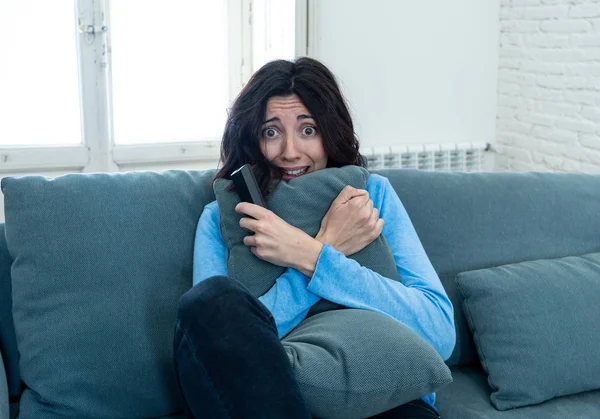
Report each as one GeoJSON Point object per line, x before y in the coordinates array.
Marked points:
{"type": "Point", "coordinates": [461, 157]}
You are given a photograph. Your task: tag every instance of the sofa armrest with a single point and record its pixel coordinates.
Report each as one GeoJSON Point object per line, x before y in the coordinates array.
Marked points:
{"type": "Point", "coordinates": [4, 406]}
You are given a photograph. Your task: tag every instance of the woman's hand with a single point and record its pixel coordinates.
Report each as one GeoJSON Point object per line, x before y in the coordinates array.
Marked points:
{"type": "Point", "coordinates": [351, 223]}
{"type": "Point", "coordinates": [276, 241]}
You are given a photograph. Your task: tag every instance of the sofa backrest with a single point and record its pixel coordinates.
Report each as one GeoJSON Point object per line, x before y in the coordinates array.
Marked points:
{"type": "Point", "coordinates": [465, 221]}
{"type": "Point", "coordinates": [469, 221]}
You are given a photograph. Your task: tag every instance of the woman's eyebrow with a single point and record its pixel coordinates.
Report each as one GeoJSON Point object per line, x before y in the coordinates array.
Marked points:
{"type": "Point", "coordinates": [274, 119]}
{"type": "Point", "coordinates": [304, 117]}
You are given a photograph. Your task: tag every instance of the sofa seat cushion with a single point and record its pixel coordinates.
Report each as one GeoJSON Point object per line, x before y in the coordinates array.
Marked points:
{"type": "Point", "coordinates": [468, 397]}
{"type": "Point", "coordinates": [535, 327]}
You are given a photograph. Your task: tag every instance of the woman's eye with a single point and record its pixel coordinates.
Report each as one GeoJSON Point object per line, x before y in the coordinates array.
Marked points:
{"type": "Point", "coordinates": [309, 131]}
{"type": "Point", "coordinates": [270, 133]}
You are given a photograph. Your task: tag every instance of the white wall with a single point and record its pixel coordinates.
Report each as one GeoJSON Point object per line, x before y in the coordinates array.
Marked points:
{"type": "Point", "coordinates": [413, 71]}
{"type": "Point", "coordinates": [549, 86]}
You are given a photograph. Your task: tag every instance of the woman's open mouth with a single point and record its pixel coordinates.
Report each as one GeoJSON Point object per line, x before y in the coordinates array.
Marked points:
{"type": "Point", "coordinates": [292, 172]}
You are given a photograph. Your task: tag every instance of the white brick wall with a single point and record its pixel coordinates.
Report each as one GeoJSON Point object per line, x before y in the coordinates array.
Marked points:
{"type": "Point", "coordinates": [548, 116]}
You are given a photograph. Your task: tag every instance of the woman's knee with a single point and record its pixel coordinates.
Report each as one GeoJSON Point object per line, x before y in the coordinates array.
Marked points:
{"type": "Point", "coordinates": [212, 295]}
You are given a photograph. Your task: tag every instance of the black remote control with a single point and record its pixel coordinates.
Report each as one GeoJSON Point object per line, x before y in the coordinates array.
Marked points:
{"type": "Point", "coordinates": [246, 186]}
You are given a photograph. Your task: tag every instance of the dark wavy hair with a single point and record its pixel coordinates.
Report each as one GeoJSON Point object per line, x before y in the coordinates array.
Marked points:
{"type": "Point", "coordinates": [318, 90]}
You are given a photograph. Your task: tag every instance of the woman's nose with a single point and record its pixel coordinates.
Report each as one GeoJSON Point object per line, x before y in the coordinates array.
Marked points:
{"type": "Point", "coordinates": [290, 149]}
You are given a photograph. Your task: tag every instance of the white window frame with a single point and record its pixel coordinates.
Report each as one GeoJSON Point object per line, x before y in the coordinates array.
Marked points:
{"type": "Point", "coordinates": [98, 153]}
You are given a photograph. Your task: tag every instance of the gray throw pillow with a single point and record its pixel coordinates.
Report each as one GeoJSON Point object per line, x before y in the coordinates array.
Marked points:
{"type": "Point", "coordinates": [303, 203]}
{"type": "Point", "coordinates": [348, 363]}
{"type": "Point", "coordinates": [100, 263]}
{"type": "Point", "coordinates": [535, 327]}
{"type": "Point", "coordinates": [353, 364]}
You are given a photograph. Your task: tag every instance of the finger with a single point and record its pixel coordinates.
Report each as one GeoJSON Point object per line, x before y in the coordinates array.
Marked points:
{"type": "Point", "coordinates": [250, 241]}
{"type": "Point", "coordinates": [362, 198]}
{"type": "Point", "coordinates": [374, 222]}
{"type": "Point", "coordinates": [379, 226]}
{"type": "Point", "coordinates": [359, 201]}
{"type": "Point", "coordinates": [365, 210]}
{"type": "Point", "coordinates": [344, 195]}
{"type": "Point", "coordinates": [253, 210]}
{"type": "Point", "coordinates": [348, 193]}
{"type": "Point", "coordinates": [370, 212]}
{"type": "Point", "coordinates": [249, 224]}
{"type": "Point", "coordinates": [253, 250]}
{"type": "Point", "coordinates": [359, 193]}
{"type": "Point", "coordinates": [375, 213]}
{"type": "Point", "coordinates": [259, 253]}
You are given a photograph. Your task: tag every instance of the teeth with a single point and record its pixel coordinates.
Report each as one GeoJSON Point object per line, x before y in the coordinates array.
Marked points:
{"type": "Point", "coordinates": [296, 172]}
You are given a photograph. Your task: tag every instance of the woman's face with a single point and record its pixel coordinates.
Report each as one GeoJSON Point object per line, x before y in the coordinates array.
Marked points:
{"type": "Point", "coordinates": [290, 138]}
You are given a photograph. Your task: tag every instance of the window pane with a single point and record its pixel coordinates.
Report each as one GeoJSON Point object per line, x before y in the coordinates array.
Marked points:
{"type": "Point", "coordinates": [273, 30]}
{"type": "Point", "coordinates": [170, 75]}
{"type": "Point", "coordinates": [39, 98]}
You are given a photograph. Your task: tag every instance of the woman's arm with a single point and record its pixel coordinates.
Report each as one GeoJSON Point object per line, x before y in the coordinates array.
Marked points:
{"type": "Point", "coordinates": [418, 301]}
{"type": "Point", "coordinates": [288, 300]}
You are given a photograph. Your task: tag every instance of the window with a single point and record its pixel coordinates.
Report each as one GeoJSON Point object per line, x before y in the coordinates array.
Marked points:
{"type": "Point", "coordinates": [170, 70]}
{"type": "Point", "coordinates": [96, 84]}
{"type": "Point", "coordinates": [39, 92]}
{"type": "Point", "coordinates": [273, 31]}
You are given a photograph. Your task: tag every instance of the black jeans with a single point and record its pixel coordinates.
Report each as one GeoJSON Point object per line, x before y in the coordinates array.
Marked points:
{"type": "Point", "coordinates": [230, 362]}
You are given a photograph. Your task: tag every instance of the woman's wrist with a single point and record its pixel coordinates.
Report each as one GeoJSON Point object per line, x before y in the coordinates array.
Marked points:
{"type": "Point", "coordinates": [310, 255]}
{"type": "Point", "coordinates": [322, 237]}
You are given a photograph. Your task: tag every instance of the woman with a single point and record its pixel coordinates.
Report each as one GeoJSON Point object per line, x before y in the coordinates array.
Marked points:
{"type": "Point", "coordinates": [290, 120]}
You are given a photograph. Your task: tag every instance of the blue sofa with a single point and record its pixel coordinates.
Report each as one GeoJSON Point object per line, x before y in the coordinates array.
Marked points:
{"type": "Point", "coordinates": [92, 267]}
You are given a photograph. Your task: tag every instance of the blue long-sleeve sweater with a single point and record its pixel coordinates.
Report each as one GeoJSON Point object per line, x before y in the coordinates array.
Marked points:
{"type": "Point", "coordinates": [418, 300]}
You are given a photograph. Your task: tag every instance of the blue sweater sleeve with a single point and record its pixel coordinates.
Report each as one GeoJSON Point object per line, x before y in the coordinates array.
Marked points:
{"type": "Point", "coordinates": [418, 301]}
{"type": "Point", "coordinates": [288, 299]}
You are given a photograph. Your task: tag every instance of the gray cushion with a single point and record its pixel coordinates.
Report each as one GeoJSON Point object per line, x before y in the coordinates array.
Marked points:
{"type": "Point", "coordinates": [303, 203]}
{"type": "Point", "coordinates": [101, 261]}
{"type": "Point", "coordinates": [470, 221]}
{"type": "Point", "coordinates": [535, 327]}
{"type": "Point", "coordinates": [468, 397]}
{"type": "Point", "coordinates": [8, 340]}
{"type": "Point", "coordinates": [336, 355]}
